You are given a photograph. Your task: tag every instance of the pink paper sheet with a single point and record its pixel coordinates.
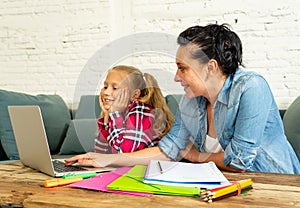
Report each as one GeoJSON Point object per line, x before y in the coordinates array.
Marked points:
{"type": "Point", "coordinates": [100, 182]}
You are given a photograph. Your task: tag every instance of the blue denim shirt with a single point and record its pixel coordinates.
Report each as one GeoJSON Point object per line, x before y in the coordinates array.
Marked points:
{"type": "Point", "coordinates": [247, 123]}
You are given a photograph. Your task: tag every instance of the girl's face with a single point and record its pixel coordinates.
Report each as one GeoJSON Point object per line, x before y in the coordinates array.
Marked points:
{"type": "Point", "coordinates": [190, 73]}
{"type": "Point", "coordinates": [115, 80]}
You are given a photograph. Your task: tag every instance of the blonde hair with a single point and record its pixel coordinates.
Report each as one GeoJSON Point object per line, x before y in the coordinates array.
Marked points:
{"type": "Point", "coordinates": [151, 95]}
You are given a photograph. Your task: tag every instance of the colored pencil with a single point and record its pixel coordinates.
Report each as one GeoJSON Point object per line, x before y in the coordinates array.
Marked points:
{"type": "Point", "coordinates": [211, 199]}
{"type": "Point", "coordinates": [227, 191]}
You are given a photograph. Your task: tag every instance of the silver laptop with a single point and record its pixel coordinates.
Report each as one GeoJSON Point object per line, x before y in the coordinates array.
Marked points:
{"type": "Point", "coordinates": [32, 143]}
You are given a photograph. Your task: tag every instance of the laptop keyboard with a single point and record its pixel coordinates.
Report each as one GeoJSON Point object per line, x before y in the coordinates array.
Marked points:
{"type": "Point", "coordinates": [60, 167]}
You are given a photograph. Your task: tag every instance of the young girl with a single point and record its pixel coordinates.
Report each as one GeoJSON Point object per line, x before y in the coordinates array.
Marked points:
{"type": "Point", "coordinates": [134, 113]}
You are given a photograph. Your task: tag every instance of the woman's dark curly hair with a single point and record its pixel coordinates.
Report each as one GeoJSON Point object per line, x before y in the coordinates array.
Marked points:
{"type": "Point", "coordinates": [214, 42]}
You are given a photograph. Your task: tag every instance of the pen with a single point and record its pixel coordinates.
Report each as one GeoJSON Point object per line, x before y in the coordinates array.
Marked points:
{"type": "Point", "coordinates": [83, 175]}
{"type": "Point", "coordinates": [61, 181]}
{"type": "Point", "coordinates": [160, 168]}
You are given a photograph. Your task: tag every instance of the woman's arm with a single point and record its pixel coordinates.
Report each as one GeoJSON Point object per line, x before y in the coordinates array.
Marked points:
{"type": "Point", "coordinates": [255, 105]}
{"type": "Point", "coordinates": [192, 154]}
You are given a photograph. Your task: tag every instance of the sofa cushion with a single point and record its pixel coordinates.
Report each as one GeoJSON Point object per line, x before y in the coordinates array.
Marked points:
{"type": "Point", "coordinates": [291, 120]}
{"type": "Point", "coordinates": [172, 101]}
{"type": "Point", "coordinates": [56, 117]}
{"type": "Point", "coordinates": [80, 137]}
{"type": "Point", "coordinates": [88, 107]}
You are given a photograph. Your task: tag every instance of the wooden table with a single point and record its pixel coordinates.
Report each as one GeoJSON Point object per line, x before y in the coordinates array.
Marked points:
{"type": "Point", "coordinates": [23, 187]}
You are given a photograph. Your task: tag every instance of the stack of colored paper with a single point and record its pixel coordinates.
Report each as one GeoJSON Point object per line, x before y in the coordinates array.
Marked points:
{"type": "Point", "coordinates": [133, 181]}
{"type": "Point", "coordinates": [127, 180]}
{"type": "Point", "coordinates": [237, 187]}
{"type": "Point", "coordinates": [100, 182]}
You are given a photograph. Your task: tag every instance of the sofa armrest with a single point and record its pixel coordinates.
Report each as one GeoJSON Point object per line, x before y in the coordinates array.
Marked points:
{"type": "Point", "coordinates": [172, 101]}
{"type": "Point", "coordinates": [291, 125]}
{"type": "Point", "coordinates": [88, 107]}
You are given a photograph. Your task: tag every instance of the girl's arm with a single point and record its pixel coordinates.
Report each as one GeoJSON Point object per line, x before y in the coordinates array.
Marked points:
{"type": "Point", "coordinates": [140, 157]}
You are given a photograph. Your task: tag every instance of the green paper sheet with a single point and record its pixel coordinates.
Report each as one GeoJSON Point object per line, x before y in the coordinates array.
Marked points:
{"type": "Point", "coordinates": [133, 181]}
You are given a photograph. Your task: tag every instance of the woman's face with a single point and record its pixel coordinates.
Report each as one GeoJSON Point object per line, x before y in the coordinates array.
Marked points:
{"type": "Point", "coordinates": [115, 80]}
{"type": "Point", "coordinates": [190, 73]}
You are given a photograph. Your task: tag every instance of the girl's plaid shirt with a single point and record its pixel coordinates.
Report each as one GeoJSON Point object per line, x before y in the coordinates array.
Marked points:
{"type": "Point", "coordinates": [127, 132]}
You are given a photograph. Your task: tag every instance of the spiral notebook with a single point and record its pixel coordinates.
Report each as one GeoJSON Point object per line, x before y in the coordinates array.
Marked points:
{"type": "Point", "coordinates": [204, 175]}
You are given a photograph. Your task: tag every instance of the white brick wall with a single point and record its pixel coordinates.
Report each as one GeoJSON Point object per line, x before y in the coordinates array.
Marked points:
{"type": "Point", "coordinates": [57, 46]}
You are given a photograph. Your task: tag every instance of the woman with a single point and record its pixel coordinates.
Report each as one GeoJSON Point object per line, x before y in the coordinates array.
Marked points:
{"type": "Point", "coordinates": [227, 116]}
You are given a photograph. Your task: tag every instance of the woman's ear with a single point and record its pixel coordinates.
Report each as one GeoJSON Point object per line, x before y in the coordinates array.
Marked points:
{"type": "Point", "coordinates": [212, 65]}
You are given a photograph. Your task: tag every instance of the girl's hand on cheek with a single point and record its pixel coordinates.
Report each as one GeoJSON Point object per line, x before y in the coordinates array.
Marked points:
{"type": "Point", "coordinates": [105, 108]}
{"type": "Point", "coordinates": [121, 100]}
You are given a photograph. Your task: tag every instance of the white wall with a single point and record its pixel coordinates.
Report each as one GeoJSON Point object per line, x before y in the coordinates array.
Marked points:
{"type": "Point", "coordinates": [65, 47]}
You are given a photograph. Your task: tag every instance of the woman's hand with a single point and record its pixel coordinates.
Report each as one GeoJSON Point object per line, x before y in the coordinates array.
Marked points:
{"type": "Point", "coordinates": [92, 159]}
{"type": "Point", "coordinates": [190, 153]}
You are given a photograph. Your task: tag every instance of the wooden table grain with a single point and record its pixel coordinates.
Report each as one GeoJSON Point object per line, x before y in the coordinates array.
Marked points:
{"type": "Point", "coordinates": [21, 186]}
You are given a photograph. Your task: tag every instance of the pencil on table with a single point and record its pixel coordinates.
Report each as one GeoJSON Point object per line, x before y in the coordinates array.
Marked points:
{"type": "Point", "coordinates": [236, 188]}
{"type": "Point", "coordinates": [209, 198]}
{"type": "Point", "coordinates": [232, 188]}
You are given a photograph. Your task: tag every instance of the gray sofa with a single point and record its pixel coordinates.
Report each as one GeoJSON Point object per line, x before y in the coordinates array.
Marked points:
{"type": "Point", "coordinates": [291, 123]}
{"type": "Point", "coordinates": [73, 132]}
{"type": "Point", "coordinates": [69, 132]}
